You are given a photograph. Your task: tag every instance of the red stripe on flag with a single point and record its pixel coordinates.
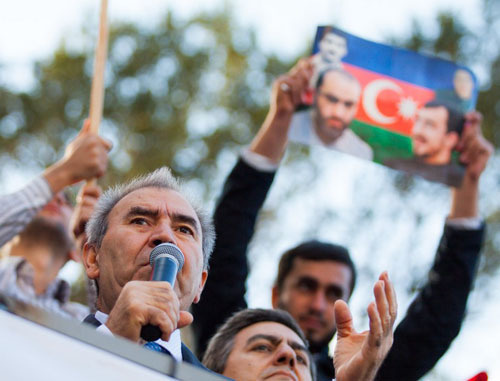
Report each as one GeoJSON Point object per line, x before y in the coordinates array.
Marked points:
{"type": "Point", "coordinates": [388, 102]}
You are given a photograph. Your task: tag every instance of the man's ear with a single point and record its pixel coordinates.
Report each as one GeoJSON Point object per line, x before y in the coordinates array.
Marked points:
{"type": "Point", "coordinates": [89, 256]}
{"type": "Point", "coordinates": [204, 276]}
{"type": "Point", "coordinates": [275, 296]}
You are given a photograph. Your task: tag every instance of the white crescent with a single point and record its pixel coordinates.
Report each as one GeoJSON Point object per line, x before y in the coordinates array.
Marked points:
{"type": "Point", "coordinates": [370, 94]}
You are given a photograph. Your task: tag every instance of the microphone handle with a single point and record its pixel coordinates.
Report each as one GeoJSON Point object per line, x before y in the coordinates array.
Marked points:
{"type": "Point", "coordinates": [165, 269]}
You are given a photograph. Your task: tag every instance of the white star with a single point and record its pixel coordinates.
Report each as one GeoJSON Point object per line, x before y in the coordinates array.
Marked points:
{"type": "Point", "coordinates": [407, 107]}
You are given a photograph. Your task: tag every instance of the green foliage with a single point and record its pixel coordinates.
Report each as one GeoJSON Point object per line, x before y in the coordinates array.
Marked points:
{"type": "Point", "coordinates": [179, 94]}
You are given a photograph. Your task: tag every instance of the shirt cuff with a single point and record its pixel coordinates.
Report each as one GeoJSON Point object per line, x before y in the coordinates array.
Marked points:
{"type": "Point", "coordinates": [258, 162]}
{"type": "Point", "coordinates": [467, 223]}
{"type": "Point", "coordinates": [104, 329]}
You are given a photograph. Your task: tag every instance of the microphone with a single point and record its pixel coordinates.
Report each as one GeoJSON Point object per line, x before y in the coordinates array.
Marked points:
{"type": "Point", "coordinates": [167, 260]}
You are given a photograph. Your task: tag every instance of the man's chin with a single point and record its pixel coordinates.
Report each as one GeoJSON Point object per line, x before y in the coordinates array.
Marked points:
{"type": "Point", "coordinates": [317, 343]}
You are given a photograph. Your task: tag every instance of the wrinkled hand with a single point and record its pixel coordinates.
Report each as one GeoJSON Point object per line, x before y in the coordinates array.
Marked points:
{"type": "Point", "coordinates": [85, 158]}
{"type": "Point", "coordinates": [358, 356]}
{"type": "Point", "coordinates": [141, 303]}
{"type": "Point", "coordinates": [474, 149]}
{"type": "Point", "coordinates": [287, 90]}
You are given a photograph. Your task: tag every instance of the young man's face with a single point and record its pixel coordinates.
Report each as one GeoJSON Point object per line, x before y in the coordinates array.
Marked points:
{"type": "Point", "coordinates": [309, 293]}
{"type": "Point", "coordinates": [332, 47]}
{"type": "Point", "coordinates": [463, 84]}
{"type": "Point", "coordinates": [336, 105]}
{"type": "Point", "coordinates": [138, 223]}
{"type": "Point", "coordinates": [430, 137]}
{"type": "Point", "coordinates": [268, 351]}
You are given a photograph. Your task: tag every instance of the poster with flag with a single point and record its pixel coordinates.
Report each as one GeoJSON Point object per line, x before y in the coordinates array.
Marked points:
{"type": "Point", "coordinates": [390, 105]}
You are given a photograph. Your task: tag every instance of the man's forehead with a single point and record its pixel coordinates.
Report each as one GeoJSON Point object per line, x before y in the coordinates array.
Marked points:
{"type": "Point", "coordinates": [268, 330]}
{"type": "Point", "coordinates": [322, 270]}
{"type": "Point", "coordinates": [334, 37]}
{"type": "Point", "coordinates": [337, 83]}
{"type": "Point", "coordinates": [436, 114]}
{"type": "Point", "coordinates": [151, 198]}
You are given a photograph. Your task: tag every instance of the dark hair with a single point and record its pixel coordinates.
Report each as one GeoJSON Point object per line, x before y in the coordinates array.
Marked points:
{"type": "Point", "coordinates": [221, 344]}
{"type": "Point", "coordinates": [341, 71]}
{"type": "Point", "coordinates": [456, 118]}
{"type": "Point", "coordinates": [314, 251]}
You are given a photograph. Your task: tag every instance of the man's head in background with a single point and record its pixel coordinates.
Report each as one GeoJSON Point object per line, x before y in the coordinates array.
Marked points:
{"type": "Point", "coordinates": [463, 84]}
{"type": "Point", "coordinates": [311, 278]}
{"type": "Point", "coordinates": [436, 132]}
{"type": "Point", "coordinates": [335, 104]}
{"type": "Point", "coordinates": [332, 47]}
{"type": "Point", "coordinates": [260, 344]}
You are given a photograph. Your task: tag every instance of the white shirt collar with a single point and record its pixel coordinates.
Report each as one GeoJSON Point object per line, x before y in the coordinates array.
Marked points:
{"type": "Point", "coordinates": [173, 345]}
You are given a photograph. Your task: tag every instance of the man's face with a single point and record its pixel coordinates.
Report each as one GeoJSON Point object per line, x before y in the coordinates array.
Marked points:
{"type": "Point", "coordinates": [268, 351]}
{"type": "Point", "coordinates": [58, 210]}
{"type": "Point", "coordinates": [463, 84]}
{"type": "Point", "coordinates": [309, 292]}
{"type": "Point", "coordinates": [336, 105]}
{"type": "Point", "coordinates": [430, 132]}
{"type": "Point", "coordinates": [332, 47]}
{"type": "Point", "coordinates": [138, 223]}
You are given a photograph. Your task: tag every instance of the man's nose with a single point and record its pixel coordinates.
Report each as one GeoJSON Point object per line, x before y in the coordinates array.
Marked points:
{"type": "Point", "coordinates": [336, 109]}
{"type": "Point", "coordinates": [318, 302]}
{"type": "Point", "coordinates": [163, 233]}
{"type": "Point", "coordinates": [285, 355]}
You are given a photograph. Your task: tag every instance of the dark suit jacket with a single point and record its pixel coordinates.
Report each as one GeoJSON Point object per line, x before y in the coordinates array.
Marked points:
{"type": "Point", "coordinates": [431, 323]}
{"type": "Point", "coordinates": [187, 355]}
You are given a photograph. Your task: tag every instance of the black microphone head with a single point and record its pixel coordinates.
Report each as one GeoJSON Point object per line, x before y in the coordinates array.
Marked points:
{"type": "Point", "coordinates": [167, 249]}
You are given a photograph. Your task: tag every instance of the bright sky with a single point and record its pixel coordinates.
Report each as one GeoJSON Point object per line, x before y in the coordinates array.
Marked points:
{"type": "Point", "coordinates": [31, 29]}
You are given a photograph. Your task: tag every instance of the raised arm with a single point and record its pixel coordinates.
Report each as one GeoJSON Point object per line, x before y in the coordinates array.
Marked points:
{"type": "Point", "coordinates": [272, 138]}
{"type": "Point", "coordinates": [435, 316]}
{"type": "Point", "coordinates": [244, 192]}
{"type": "Point", "coordinates": [84, 158]}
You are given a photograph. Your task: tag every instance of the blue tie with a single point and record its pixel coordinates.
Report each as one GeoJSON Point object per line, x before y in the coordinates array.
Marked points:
{"type": "Point", "coordinates": [152, 346]}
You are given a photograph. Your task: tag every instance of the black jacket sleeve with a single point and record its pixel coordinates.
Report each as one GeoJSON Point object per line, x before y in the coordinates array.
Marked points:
{"type": "Point", "coordinates": [242, 197]}
{"type": "Point", "coordinates": [434, 318]}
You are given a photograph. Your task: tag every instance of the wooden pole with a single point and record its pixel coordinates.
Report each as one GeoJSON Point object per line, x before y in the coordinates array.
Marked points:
{"type": "Point", "coordinates": [97, 89]}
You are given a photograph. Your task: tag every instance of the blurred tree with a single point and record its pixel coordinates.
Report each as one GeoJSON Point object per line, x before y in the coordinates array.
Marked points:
{"type": "Point", "coordinates": [479, 49]}
{"type": "Point", "coordinates": [181, 94]}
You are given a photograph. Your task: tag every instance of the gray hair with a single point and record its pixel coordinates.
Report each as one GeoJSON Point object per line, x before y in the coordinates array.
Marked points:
{"type": "Point", "coordinates": [221, 344]}
{"type": "Point", "coordinates": [161, 178]}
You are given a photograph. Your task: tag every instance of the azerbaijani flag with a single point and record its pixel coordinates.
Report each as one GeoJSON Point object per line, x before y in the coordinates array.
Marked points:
{"type": "Point", "coordinates": [395, 84]}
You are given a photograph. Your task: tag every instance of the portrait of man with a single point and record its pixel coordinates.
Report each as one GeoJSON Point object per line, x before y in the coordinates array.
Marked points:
{"type": "Point", "coordinates": [335, 104]}
{"type": "Point", "coordinates": [461, 95]}
{"type": "Point", "coordinates": [435, 134]}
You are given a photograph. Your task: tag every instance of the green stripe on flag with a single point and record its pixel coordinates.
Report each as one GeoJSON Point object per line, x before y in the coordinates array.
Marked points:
{"type": "Point", "coordinates": [385, 144]}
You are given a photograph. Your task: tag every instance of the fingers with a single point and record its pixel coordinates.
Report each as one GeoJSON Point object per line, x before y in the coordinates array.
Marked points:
{"type": "Point", "coordinates": [390, 294]}
{"type": "Point", "coordinates": [185, 318]}
{"type": "Point", "coordinates": [86, 201]}
{"type": "Point", "coordinates": [383, 312]}
{"type": "Point", "coordinates": [343, 319]}
{"type": "Point", "coordinates": [475, 150]}
{"type": "Point", "coordinates": [141, 303]}
{"type": "Point", "coordinates": [289, 88]}
{"type": "Point", "coordinates": [85, 128]}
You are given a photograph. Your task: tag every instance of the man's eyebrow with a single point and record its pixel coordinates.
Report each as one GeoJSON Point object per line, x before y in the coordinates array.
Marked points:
{"type": "Point", "coordinates": [271, 338]}
{"type": "Point", "coordinates": [187, 219]}
{"type": "Point", "coordinates": [276, 340]}
{"type": "Point", "coordinates": [297, 346]}
{"type": "Point", "coordinates": [141, 211]}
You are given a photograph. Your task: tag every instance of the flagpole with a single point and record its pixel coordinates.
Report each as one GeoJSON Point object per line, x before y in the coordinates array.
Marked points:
{"type": "Point", "coordinates": [97, 89]}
